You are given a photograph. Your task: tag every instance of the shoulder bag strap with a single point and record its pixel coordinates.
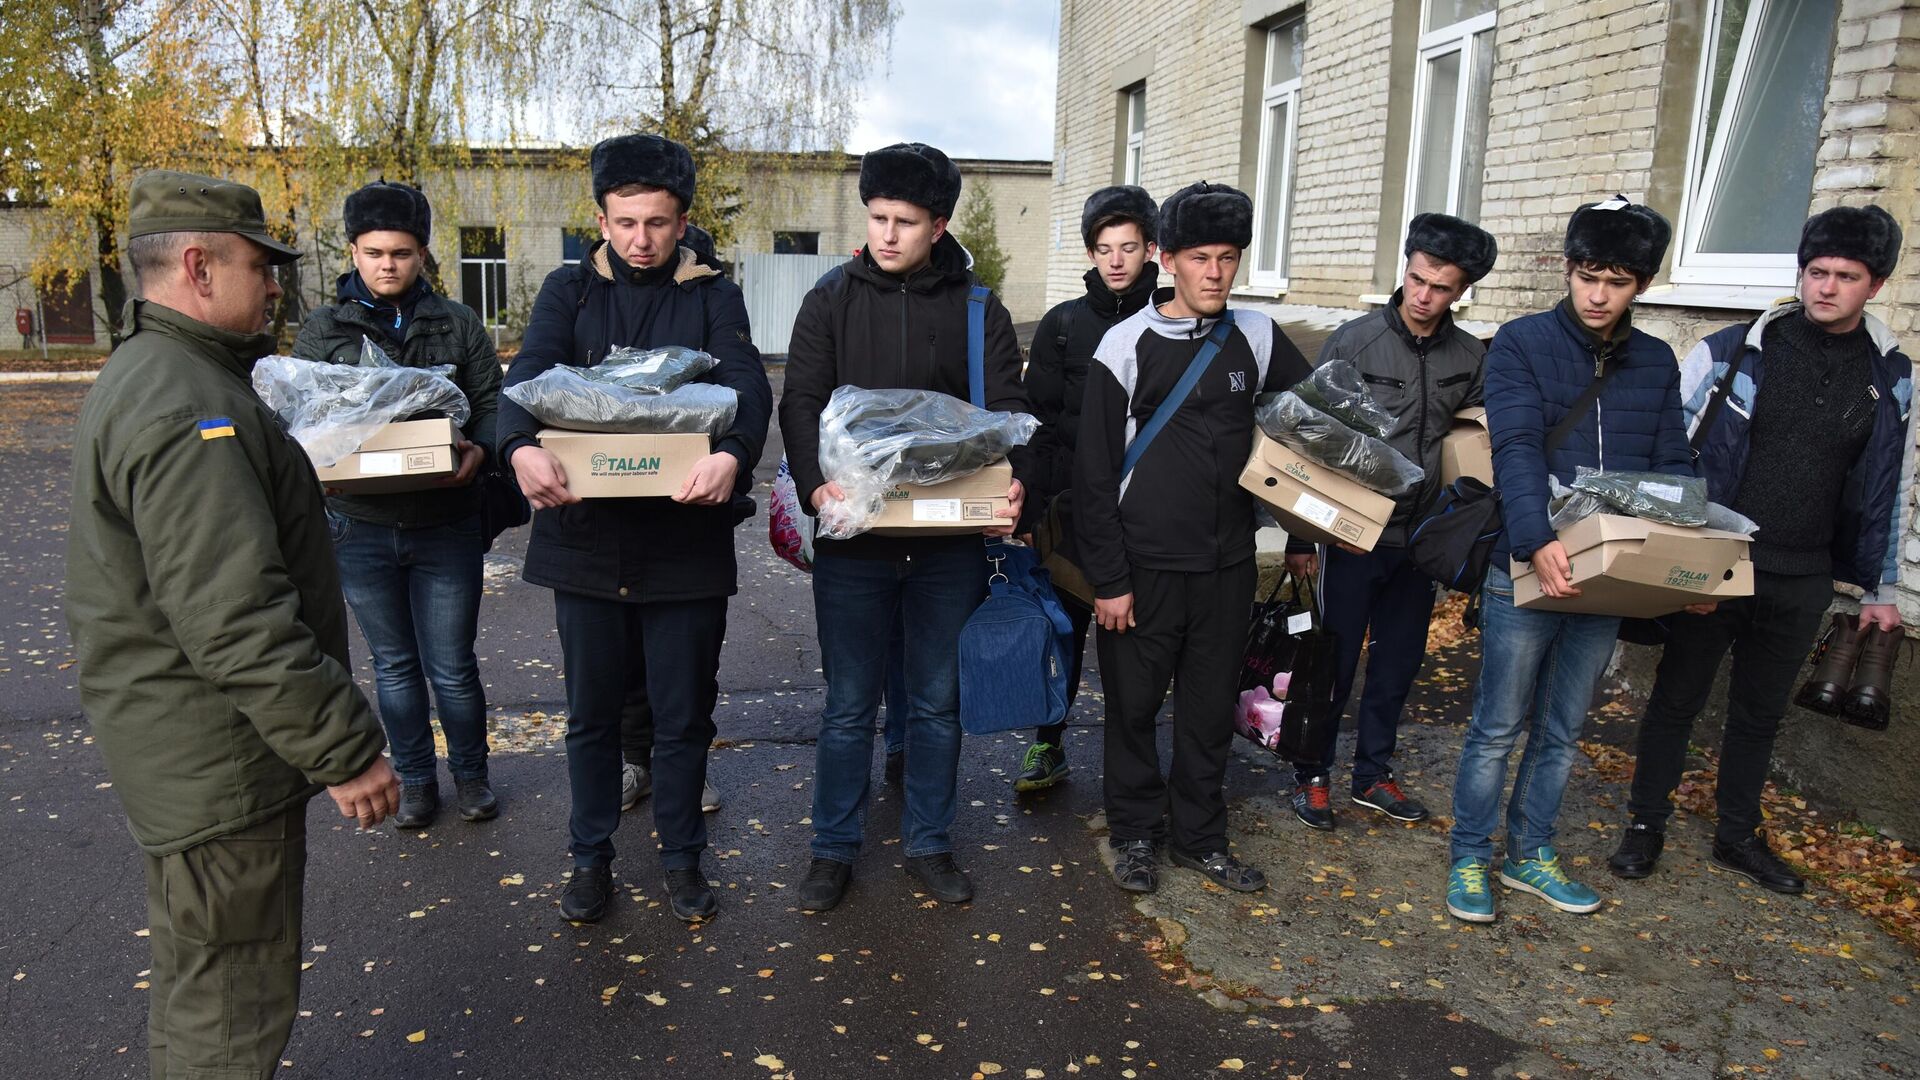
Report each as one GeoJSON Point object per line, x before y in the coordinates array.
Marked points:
{"type": "Point", "coordinates": [1718, 398]}
{"type": "Point", "coordinates": [1580, 407]}
{"type": "Point", "coordinates": [977, 345]}
{"type": "Point", "coordinates": [1178, 395]}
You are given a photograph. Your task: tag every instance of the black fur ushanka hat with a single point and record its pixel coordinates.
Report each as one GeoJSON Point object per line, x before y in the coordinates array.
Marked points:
{"type": "Point", "coordinates": [1453, 240]}
{"type": "Point", "coordinates": [911, 172]}
{"type": "Point", "coordinates": [384, 205]}
{"type": "Point", "coordinates": [643, 159]}
{"type": "Point", "coordinates": [1615, 232]}
{"type": "Point", "coordinates": [1205, 213]}
{"type": "Point", "coordinates": [1865, 234]}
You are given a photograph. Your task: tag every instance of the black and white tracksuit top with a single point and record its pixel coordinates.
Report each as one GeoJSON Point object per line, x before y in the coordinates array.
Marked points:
{"type": "Point", "coordinates": [1182, 508]}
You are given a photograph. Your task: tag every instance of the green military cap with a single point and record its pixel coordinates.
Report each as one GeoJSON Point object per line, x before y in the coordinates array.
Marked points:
{"type": "Point", "coordinates": [164, 201]}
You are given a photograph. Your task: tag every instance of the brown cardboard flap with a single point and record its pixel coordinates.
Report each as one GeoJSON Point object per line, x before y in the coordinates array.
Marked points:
{"type": "Point", "coordinates": [1467, 448]}
{"type": "Point", "coordinates": [1311, 501]}
{"type": "Point", "coordinates": [405, 456]}
{"type": "Point", "coordinates": [951, 507]}
{"type": "Point", "coordinates": [1636, 568]}
{"type": "Point", "coordinates": [607, 465]}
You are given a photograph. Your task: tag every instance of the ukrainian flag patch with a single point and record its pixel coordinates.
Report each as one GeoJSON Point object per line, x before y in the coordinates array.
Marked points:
{"type": "Point", "coordinates": [219, 427]}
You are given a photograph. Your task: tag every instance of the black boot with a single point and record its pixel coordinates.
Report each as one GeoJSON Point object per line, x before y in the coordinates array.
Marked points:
{"type": "Point", "coordinates": [587, 895]}
{"type": "Point", "coordinates": [691, 896]}
{"type": "Point", "coordinates": [1869, 701]}
{"type": "Point", "coordinates": [418, 804]}
{"type": "Point", "coordinates": [1833, 664]}
{"type": "Point", "coordinates": [1639, 850]}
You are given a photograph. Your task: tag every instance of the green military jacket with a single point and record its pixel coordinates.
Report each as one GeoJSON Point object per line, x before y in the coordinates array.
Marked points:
{"type": "Point", "coordinates": [202, 595]}
{"type": "Point", "coordinates": [441, 332]}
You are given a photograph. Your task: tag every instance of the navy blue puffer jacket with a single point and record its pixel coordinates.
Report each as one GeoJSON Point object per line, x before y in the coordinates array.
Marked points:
{"type": "Point", "coordinates": [1536, 368]}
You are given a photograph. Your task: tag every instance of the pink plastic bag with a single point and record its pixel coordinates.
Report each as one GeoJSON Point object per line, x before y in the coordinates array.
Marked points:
{"type": "Point", "coordinates": [789, 529]}
{"type": "Point", "coordinates": [1259, 716]}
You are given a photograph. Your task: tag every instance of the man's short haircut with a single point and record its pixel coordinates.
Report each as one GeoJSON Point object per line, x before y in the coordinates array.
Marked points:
{"type": "Point", "coordinates": [630, 190]}
{"type": "Point", "coordinates": [1103, 224]}
{"type": "Point", "coordinates": [153, 256]}
{"type": "Point", "coordinates": [1640, 279]}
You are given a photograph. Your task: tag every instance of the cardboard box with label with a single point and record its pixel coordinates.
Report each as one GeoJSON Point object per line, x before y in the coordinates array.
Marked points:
{"type": "Point", "coordinates": [605, 465]}
{"type": "Point", "coordinates": [404, 456]}
{"type": "Point", "coordinates": [951, 507]}
{"type": "Point", "coordinates": [1467, 450]}
{"type": "Point", "coordinates": [1311, 501]}
{"type": "Point", "coordinates": [1636, 568]}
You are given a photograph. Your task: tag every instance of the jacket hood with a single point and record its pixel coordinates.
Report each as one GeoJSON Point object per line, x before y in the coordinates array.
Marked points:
{"type": "Point", "coordinates": [687, 264]}
{"type": "Point", "coordinates": [1102, 298]}
{"type": "Point", "coordinates": [1883, 340]}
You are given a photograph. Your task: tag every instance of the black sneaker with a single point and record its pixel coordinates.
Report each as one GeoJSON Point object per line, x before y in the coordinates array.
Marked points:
{"type": "Point", "coordinates": [1753, 859]}
{"type": "Point", "coordinates": [1044, 766]}
{"type": "Point", "coordinates": [1223, 869]}
{"type": "Point", "coordinates": [824, 885]}
{"type": "Point", "coordinates": [691, 896]}
{"type": "Point", "coordinates": [1313, 803]}
{"type": "Point", "coordinates": [1639, 850]}
{"type": "Point", "coordinates": [475, 799]}
{"type": "Point", "coordinates": [941, 877]}
{"type": "Point", "coordinates": [418, 804]}
{"type": "Point", "coordinates": [1385, 796]}
{"type": "Point", "coordinates": [1134, 867]}
{"type": "Point", "coordinates": [896, 765]}
{"type": "Point", "coordinates": [587, 894]}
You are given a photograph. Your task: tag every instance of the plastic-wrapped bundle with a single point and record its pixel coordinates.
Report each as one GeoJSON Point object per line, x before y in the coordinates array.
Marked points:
{"type": "Point", "coordinates": [1287, 418]}
{"type": "Point", "coordinates": [1338, 389]}
{"type": "Point", "coordinates": [577, 400]}
{"type": "Point", "coordinates": [871, 440]}
{"type": "Point", "coordinates": [1671, 500]}
{"type": "Point", "coordinates": [652, 371]}
{"type": "Point", "coordinates": [330, 409]}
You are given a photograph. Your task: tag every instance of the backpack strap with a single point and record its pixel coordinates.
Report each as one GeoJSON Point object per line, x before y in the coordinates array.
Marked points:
{"type": "Point", "coordinates": [977, 345]}
{"type": "Point", "coordinates": [1181, 390]}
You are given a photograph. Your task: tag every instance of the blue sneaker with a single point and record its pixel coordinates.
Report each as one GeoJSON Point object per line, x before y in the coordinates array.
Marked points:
{"type": "Point", "coordinates": [1467, 894]}
{"type": "Point", "coordinates": [1542, 876]}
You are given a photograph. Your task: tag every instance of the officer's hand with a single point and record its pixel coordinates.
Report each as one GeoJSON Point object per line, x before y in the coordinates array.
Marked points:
{"type": "Point", "coordinates": [1555, 570]}
{"type": "Point", "coordinates": [826, 491]}
{"type": "Point", "coordinates": [711, 481]}
{"type": "Point", "coordinates": [1115, 614]}
{"type": "Point", "coordinates": [1016, 498]}
{"type": "Point", "coordinates": [371, 797]}
{"type": "Point", "coordinates": [542, 480]}
{"type": "Point", "coordinates": [1306, 564]}
{"type": "Point", "coordinates": [1884, 616]}
{"type": "Point", "coordinates": [471, 457]}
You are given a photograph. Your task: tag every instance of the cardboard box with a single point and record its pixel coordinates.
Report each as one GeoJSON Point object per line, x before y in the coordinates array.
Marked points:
{"type": "Point", "coordinates": [949, 508]}
{"type": "Point", "coordinates": [1467, 450]}
{"type": "Point", "coordinates": [603, 465]}
{"type": "Point", "coordinates": [405, 456]}
{"type": "Point", "coordinates": [1311, 501]}
{"type": "Point", "coordinates": [1636, 568]}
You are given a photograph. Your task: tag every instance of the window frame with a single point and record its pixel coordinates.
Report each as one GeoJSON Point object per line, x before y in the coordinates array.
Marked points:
{"type": "Point", "coordinates": [1272, 94]}
{"type": "Point", "coordinates": [1433, 44]}
{"type": "Point", "coordinates": [1133, 157]}
{"type": "Point", "coordinates": [486, 265]}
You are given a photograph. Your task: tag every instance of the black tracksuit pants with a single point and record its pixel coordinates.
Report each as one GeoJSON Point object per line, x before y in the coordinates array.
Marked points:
{"type": "Point", "coordinates": [1770, 634]}
{"type": "Point", "coordinates": [1190, 629]}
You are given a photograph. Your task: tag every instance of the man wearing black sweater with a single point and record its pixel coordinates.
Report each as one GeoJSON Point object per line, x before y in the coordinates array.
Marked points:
{"type": "Point", "coordinates": [1168, 547]}
{"type": "Point", "coordinates": [1813, 441]}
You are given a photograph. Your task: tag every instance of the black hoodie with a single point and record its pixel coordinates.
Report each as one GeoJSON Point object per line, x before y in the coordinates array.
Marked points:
{"type": "Point", "coordinates": [868, 328]}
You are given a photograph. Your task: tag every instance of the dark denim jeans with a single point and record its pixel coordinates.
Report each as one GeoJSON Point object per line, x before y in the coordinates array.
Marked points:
{"type": "Point", "coordinates": [854, 601]}
{"type": "Point", "coordinates": [416, 595]}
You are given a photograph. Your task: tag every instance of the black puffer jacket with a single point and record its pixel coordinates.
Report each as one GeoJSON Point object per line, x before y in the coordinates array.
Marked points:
{"type": "Point", "coordinates": [867, 328]}
{"type": "Point", "coordinates": [1056, 379]}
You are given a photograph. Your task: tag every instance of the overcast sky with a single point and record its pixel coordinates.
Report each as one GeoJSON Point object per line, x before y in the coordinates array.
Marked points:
{"type": "Point", "coordinates": [975, 80]}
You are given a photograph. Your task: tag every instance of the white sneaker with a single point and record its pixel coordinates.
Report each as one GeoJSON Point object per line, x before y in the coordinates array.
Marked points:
{"type": "Point", "coordinates": [709, 799]}
{"type": "Point", "coordinates": [636, 783]}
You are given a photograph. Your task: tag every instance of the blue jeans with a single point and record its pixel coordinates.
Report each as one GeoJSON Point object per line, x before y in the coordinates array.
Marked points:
{"type": "Point", "coordinates": [853, 599]}
{"type": "Point", "coordinates": [1537, 673]}
{"type": "Point", "coordinates": [416, 595]}
{"type": "Point", "coordinates": [895, 733]}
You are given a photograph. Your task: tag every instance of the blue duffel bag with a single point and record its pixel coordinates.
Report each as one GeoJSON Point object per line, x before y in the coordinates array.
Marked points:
{"type": "Point", "coordinates": [1014, 650]}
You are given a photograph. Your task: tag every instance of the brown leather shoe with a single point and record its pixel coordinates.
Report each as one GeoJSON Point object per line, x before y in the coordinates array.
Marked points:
{"type": "Point", "coordinates": [1869, 701]}
{"type": "Point", "coordinates": [1833, 663]}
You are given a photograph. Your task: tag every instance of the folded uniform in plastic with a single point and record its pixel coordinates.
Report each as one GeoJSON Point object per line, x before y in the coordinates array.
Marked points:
{"type": "Point", "coordinates": [1330, 438]}
{"type": "Point", "coordinates": [592, 399]}
{"type": "Point", "coordinates": [331, 409]}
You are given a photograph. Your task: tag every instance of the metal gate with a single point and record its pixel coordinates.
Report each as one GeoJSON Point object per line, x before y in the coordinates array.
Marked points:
{"type": "Point", "coordinates": [774, 286]}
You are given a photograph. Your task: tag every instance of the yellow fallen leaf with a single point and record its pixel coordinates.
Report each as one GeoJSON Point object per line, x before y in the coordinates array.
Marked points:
{"type": "Point", "coordinates": [418, 1036]}
{"type": "Point", "coordinates": [655, 998]}
{"type": "Point", "coordinates": [1233, 1065]}
{"type": "Point", "coordinates": [1458, 1070]}
{"type": "Point", "coordinates": [989, 1068]}
{"type": "Point", "coordinates": [1639, 1038]}
{"type": "Point", "coordinates": [769, 1062]}
{"type": "Point", "coordinates": [533, 948]}
{"type": "Point", "coordinates": [825, 958]}
{"type": "Point", "coordinates": [514, 879]}
{"type": "Point", "coordinates": [765, 973]}
{"type": "Point", "coordinates": [1036, 947]}
{"type": "Point", "coordinates": [1770, 1054]}
{"type": "Point", "coordinates": [923, 1039]}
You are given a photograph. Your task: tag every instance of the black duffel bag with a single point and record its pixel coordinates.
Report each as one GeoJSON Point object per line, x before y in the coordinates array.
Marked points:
{"type": "Point", "coordinates": [1454, 543]}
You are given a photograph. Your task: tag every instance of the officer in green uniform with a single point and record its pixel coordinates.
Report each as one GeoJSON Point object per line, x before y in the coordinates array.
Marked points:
{"type": "Point", "coordinates": [205, 610]}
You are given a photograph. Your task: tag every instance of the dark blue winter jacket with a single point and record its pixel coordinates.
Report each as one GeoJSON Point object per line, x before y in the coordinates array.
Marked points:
{"type": "Point", "coordinates": [1866, 539]}
{"type": "Point", "coordinates": [1536, 368]}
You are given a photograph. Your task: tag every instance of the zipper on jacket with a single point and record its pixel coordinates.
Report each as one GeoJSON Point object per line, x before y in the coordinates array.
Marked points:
{"type": "Point", "coordinates": [903, 335]}
{"type": "Point", "coordinates": [1386, 380]}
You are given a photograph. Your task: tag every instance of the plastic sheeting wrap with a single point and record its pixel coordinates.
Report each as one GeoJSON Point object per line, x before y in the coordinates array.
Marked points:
{"type": "Point", "coordinates": [1338, 389]}
{"type": "Point", "coordinates": [330, 409]}
{"type": "Point", "coordinates": [1670, 500]}
{"type": "Point", "coordinates": [1287, 418]}
{"type": "Point", "coordinates": [871, 440]}
{"type": "Point", "coordinates": [652, 371]}
{"type": "Point", "coordinates": [589, 399]}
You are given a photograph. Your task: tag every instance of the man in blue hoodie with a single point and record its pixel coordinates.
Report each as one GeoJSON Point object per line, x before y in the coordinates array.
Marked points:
{"type": "Point", "coordinates": [1576, 385]}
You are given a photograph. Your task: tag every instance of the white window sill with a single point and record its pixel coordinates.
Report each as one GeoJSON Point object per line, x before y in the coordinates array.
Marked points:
{"type": "Point", "coordinates": [1720, 297]}
{"type": "Point", "coordinates": [1261, 292]}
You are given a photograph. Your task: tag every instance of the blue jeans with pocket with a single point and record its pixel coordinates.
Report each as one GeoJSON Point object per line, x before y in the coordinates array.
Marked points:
{"type": "Point", "coordinates": [416, 595]}
{"type": "Point", "coordinates": [1537, 675]}
{"type": "Point", "coordinates": [855, 602]}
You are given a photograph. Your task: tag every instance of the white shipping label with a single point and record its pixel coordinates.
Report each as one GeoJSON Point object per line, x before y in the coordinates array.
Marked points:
{"type": "Point", "coordinates": [381, 465]}
{"type": "Point", "coordinates": [1299, 624]}
{"type": "Point", "coordinates": [1669, 492]}
{"type": "Point", "coordinates": [936, 510]}
{"type": "Point", "coordinates": [1312, 509]}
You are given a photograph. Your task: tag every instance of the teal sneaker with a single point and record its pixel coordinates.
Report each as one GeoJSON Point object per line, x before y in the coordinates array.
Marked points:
{"type": "Point", "coordinates": [1467, 894]}
{"type": "Point", "coordinates": [1542, 876]}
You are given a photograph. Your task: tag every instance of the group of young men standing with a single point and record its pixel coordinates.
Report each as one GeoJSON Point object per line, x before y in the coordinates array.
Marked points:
{"type": "Point", "coordinates": [212, 643]}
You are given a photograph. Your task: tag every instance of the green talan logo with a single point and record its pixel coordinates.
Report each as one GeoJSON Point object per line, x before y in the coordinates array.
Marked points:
{"type": "Point", "coordinates": [610, 465]}
{"type": "Point", "coordinates": [898, 494]}
{"type": "Point", "coordinates": [1680, 577]}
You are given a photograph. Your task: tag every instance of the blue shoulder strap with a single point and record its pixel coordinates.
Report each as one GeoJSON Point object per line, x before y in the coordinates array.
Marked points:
{"type": "Point", "coordinates": [1178, 395]}
{"type": "Point", "coordinates": [977, 345]}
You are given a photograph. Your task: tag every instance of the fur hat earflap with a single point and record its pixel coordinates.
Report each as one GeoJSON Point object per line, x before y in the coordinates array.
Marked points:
{"type": "Point", "coordinates": [1865, 234]}
{"type": "Point", "coordinates": [1615, 232]}
{"type": "Point", "coordinates": [1120, 201]}
{"type": "Point", "coordinates": [1452, 240]}
{"type": "Point", "coordinates": [1205, 213]}
{"type": "Point", "coordinates": [911, 172]}
{"type": "Point", "coordinates": [384, 205]}
{"type": "Point", "coordinates": [643, 159]}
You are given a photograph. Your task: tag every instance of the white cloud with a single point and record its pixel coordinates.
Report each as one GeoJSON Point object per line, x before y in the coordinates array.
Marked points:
{"type": "Point", "coordinates": [975, 80]}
